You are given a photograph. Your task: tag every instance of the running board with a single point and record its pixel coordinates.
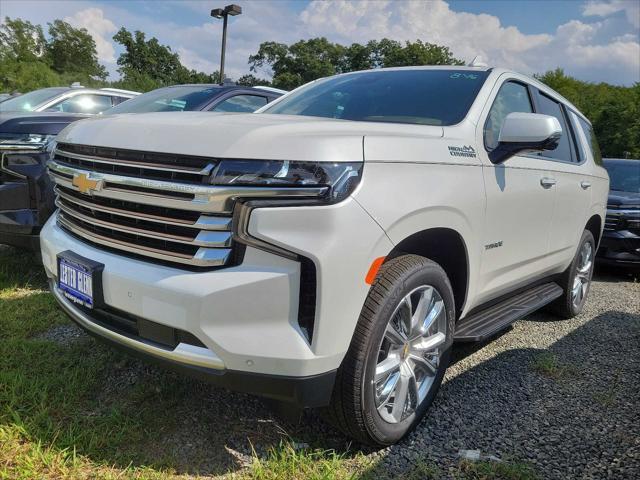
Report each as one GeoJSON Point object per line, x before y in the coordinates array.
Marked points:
{"type": "Point", "coordinates": [491, 320]}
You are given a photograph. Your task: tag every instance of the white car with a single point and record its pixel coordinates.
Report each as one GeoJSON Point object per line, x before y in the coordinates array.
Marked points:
{"type": "Point", "coordinates": [328, 250]}
{"type": "Point", "coordinates": [73, 99]}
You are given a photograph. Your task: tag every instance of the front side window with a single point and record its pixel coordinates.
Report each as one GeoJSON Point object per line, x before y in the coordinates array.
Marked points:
{"type": "Point", "coordinates": [84, 103]}
{"type": "Point", "coordinates": [241, 103]}
{"type": "Point", "coordinates": [416, 96]}
{"type": "Point", "coordinates": [512, 97]}
{"type": "Point", "coordinates": [548, 106]}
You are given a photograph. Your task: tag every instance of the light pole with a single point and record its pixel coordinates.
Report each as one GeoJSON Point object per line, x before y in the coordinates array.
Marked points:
{"type": "Point", "coordinates": [223, 13]}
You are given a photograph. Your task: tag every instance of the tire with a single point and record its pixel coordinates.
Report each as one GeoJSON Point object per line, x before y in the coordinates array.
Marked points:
{"type": "Point", "coordinates": [366, 409]}
{"type": "Point", "coordinates": [568, 306]}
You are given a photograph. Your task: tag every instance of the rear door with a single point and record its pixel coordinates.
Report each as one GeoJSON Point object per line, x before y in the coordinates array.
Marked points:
{"type": "Point", "coordinates": [520, 201]}
{"type": "Point", "coordinates": [572, 184]}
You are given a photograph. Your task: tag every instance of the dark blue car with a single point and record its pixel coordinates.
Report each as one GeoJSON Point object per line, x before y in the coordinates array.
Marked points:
{"type": "Point", "coordinates": [26, 138]}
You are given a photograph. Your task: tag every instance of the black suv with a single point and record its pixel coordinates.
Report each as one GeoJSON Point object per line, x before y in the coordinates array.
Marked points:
{"type": "Point", "coordinates": [620, 244]}
{"type": "Point", "coordinates": [26, 139]}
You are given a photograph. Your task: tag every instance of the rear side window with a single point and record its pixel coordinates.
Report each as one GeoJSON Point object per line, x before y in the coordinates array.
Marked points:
{"type": "Point", "coordinates": [592, 141]}
{"type": "Point", "coordinates": [548, 106]}
{"type": "Point", "coordinates": [241, 103]}
{"type": "Point", "coordinates": [118, 100]}
{"type": "Point", "coordinates": [512, 97]}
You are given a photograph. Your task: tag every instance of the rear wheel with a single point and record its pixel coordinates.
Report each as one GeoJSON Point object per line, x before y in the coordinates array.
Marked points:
{"type": "Point", "coordinates": [576, 280]}
{"type": "Point", "coordinates": [399, 352]}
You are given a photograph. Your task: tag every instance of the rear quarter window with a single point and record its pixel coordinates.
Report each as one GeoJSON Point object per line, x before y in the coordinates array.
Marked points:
{"type": "Point", "coordinates": [592, 141]}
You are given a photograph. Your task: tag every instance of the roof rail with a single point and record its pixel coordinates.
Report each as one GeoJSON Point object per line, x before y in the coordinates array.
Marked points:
{"type": "Point", "coordinates": [271, 89]}
{"type": "Point", "coordinates": [120, 90]}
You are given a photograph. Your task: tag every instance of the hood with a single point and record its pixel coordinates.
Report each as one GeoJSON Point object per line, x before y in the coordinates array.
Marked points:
{"type": "Point", "coordinates": [254, 136]}
{"type": "Point", "coordinates": [50, 123]}
{"type": "Point", "coordinates": [624, 199]}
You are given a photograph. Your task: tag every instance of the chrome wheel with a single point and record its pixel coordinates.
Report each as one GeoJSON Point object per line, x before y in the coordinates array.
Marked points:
{"type": "Point", "coordinates": [583, 275]}
{"type": "Point", "coordinates": [409, 353]}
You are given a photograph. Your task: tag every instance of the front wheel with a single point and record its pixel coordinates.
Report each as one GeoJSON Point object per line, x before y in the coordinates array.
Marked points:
{"type": "Point", "coordinates": [399, 352]}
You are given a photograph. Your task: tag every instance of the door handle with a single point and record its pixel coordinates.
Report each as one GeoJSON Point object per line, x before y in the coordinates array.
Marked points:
{"type": "Point", "coordinates": [585, 184]}
{"type": "Point", "coordinates": [547, 182]}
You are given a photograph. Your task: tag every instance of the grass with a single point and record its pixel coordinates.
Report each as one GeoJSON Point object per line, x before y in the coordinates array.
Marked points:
{"type": "Point", "coordinates": [485, 470]}
{"type": "Point", "coordinates": [547, 364]}
{"type": "Point", "coordinates": [66, 413]}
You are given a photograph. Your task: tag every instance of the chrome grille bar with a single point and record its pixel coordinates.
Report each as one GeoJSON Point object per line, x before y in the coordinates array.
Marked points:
{"type": "Point", "coordinates": [204, 222]}
{"type": "Point", "coordinates": [166, 212]}
{"type": "Point", "coordinates": [202, 198]}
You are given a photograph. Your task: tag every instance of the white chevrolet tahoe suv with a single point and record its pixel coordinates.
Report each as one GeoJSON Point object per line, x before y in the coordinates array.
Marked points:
{"type": "Point", "coordinates": [328, 250]}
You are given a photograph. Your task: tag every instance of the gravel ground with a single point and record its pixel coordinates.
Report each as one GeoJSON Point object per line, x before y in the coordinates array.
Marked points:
{"type": "Point", "coordinates": [579, 419]}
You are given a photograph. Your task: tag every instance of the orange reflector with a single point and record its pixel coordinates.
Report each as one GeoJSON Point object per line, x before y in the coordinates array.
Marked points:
{"type": "Point", "coordinates": [373, 270]}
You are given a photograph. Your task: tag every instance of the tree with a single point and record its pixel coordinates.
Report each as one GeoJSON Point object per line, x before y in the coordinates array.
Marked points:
{"type": "Point", "coordinates": [249, 80]}
{"type": "Point", "coordinates": [307, 60]}
{"type": "Point", "coordinates": [147, 63]}
{"type": "Point", "coordinates": [73, 51]}
{"type": "Point", "coordinates": [614, 111]}
{"type": "Point", "coordinates": [21, 40]}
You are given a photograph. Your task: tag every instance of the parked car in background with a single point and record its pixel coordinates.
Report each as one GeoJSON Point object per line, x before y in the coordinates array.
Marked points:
{"type": "Point", "coordinates": [620, 244]}
{"type": "Point", "coordinates": [26, 193]}
{"type": "Point", "coordinates": [201, 97]}
{"type": "Point", "coordinates": [327, 250]}
{"type": "Point", "coordinates": [73, 99]}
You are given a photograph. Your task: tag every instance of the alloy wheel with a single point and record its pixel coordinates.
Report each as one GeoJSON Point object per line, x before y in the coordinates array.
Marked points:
{"type": "Point", "coordinates": [409, 353]}
{"type": "Point", "coordinates": [583, 275]}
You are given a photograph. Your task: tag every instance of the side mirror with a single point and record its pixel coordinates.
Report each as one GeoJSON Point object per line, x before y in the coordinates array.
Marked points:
{"type": "Point", "coordinates": [526, 132]}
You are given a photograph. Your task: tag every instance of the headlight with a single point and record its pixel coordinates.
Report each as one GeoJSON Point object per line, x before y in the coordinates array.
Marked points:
{"type": "Point", "coordinates": [341, 177]}
{"type": "Point", "coordinates": [25, 141]}
{"type": "Point", "coordinates": [21, 152]}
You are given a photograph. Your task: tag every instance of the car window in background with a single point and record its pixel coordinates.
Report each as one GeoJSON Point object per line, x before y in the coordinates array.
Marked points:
{"type": "Point", "coordinates": [118, 100]}
{"type": "Point", "coordinates": [512, 97]}
{"type": "Point", "coordinates": [548, 106]}
{"type": "Point", "coordinates": [28, 101]}
{"type": "Point", "coordinates": [624, 176]}
{"type": "Point", "coordinates": [169, 99]}
{"type": "Point", "coordinates": [591, 140]}
{"type": "Point", "coordinates": [85, 103]}
{"type": "Point", "coordinates": [425, 97]}
{"type": "Point", "coordinates": [241, 103]}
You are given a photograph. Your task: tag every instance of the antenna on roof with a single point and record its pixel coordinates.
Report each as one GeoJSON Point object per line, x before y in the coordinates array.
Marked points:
{"type": "Point", "coordinates": [477, 62]}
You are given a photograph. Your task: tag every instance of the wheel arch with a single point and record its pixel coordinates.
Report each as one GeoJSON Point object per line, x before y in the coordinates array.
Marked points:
{"type": "Point", "coordinates": [594, 225]}
{"type": "Point", "coordinates": [447, 248]}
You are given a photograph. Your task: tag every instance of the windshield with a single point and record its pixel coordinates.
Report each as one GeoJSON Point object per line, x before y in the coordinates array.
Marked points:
{"type": "Point", "coordinates": [169, 99]}
{"type": "Point", "coordinates": [624, 176]}
{"type": "Point", "coordinates": [29, 101]}
{"type": "Point", "coordinates": [425, 97]}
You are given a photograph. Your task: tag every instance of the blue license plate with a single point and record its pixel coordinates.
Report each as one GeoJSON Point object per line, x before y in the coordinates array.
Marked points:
{"type": "Point", "coordinates": [78, 278]}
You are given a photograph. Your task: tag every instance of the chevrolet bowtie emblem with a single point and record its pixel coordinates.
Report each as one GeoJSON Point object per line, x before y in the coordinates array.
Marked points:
{"type": "Point", "coordinates": [85, 184]}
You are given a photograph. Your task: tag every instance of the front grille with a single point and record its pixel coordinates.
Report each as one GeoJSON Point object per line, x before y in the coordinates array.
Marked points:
{"type": "Point", "coordinates": [623, 218]}
{"type": "Point", "coordinates": [154, 205]}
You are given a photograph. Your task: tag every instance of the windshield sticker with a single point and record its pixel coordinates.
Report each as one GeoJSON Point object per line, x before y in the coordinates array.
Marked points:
{"type": "Point", "coordinates": [465, 151]}
{"type": "Point", "coordinates": [466, 76]}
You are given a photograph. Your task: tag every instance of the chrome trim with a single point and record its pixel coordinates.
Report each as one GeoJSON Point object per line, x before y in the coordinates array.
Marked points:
{"type": "Point", "coordinates": [183, 353]}
{"type": "Point", "coordinates": [203, 239]}
{"type": "Point", "coordinates": [205, 222]}
{"type": "Point", "coordinates": [209, 199]}
{"type": "Point", "coordinates": [21, 146]}
{"type": "Point", "coordinates": [241, 233]}
{"type": "Point", "coordinates": [132, 163]}
{"type": "Point", "coordinates": [204, 257]}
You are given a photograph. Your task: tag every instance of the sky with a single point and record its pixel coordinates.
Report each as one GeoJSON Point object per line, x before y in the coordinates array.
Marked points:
{"type": "Point", "coordinates": [593, 40]}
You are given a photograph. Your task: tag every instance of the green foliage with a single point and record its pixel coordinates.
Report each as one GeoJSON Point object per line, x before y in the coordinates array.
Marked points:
{"type": "Point", "coordinates": [249, 80]}
{"type": "Point", "coordinates": [614, 111]}
{"type": "Point", "coordinates": [307, 60]}
{"type": "Point", "coordinates": [73, 51]}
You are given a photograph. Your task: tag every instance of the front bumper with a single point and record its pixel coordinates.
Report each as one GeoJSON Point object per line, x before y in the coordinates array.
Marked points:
{"type": "Point", "coordinates": [245, 317]}
{"type": "Point", "coordinates": [20, 228]}
{"type": "Point", "coordinates": [620, 248]}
